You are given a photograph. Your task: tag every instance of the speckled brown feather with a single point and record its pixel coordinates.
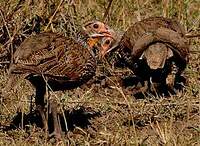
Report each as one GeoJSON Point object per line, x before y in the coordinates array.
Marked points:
{"type": "Point", "coordinates": [54, 55]}
{"type": "Point", "coordinates": [146, 26]}
{"type": "Point", "coordinates": [150, 47]}
{"type": "Point", "coordinates": [52, 61]}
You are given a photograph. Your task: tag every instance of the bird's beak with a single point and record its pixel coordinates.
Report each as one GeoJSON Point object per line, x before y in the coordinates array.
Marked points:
{"type": "Point", "coordinates": [102, 34]}
{"type": "Point", "coordinates": [104, 51]}
{"type": "Point", "coordinates": [94, 38]}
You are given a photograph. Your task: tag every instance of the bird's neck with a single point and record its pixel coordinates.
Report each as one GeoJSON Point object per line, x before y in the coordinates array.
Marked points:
{"type": "Point", "coordinates": [81, 38]}
{"type": "Point", "coordinates": [84, 39]}
{"type": "Point", "coordinates": [92, 42]}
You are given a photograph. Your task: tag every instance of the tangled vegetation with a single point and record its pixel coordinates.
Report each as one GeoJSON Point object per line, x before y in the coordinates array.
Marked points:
{"type": "Point", "coordinates": [100, 113]}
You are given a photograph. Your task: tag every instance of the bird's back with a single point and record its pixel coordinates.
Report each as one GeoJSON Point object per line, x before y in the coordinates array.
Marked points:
{"type": "Point", "coordinates": [141, 28]}
{"type": "Point", "coordinates": [53, 55]}
{"type": "Point", "coordinates": [151, 24]}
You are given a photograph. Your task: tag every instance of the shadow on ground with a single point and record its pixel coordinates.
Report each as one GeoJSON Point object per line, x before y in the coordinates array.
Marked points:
{"type": "Point", "coordinates": [132, 82]}
{"type": "Point", "coordinates": [79, 117]}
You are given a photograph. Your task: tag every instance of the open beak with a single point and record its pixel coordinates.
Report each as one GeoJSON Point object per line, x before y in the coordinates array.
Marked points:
{"type": "Point", "coordinates": [106, 51]}
{"type": "Point", "coordinates": [102, 34]}
{"type": "Point", "coordinates": [94, 38]}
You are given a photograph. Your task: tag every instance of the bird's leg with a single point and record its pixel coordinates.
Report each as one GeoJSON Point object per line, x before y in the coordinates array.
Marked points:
{"type": "Point", "coordinates": [40, 107]}
{"type": "Point", "coordinates": [53, 110]}
{"type": "Point", "coordinates": [56, 123]}
{"type": "Point", "coordinates": [144, 88]}
{"type": "Point", "coordinates": [40, 85]}
{"type": "Point", "coordinates": [154, 87]}
{"type": "Point", "coordinates": [39, 99]}
{"type": "Point", "coordinates": [170, 80]}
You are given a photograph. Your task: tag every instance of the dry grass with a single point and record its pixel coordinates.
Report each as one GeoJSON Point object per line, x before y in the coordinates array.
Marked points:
{"type": "Point", "coordinates": [123, 119]}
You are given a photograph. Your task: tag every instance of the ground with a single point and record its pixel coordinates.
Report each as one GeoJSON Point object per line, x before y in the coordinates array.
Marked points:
{"type": "Point", "coordinates": [99, 114]}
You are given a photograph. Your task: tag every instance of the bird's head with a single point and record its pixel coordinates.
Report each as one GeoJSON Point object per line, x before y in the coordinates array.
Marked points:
{"type": "Point", "coordinates": [95, 26]}
{"type": "Point", "coordinates": [96, 31]}
{"type": "Point", "coordinates": [108, 43]}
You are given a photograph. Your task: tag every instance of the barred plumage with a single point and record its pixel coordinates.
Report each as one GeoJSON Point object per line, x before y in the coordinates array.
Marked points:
{"type": "Point", "coordinates": [61, 62]}
{"type": "Point", "coordinates": [152, 44]}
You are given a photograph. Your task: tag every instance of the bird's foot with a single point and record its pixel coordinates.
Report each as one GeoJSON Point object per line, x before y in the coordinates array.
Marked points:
{"type": "Point", "coordinates": [56, 134]}
{"type": "Point", "coordinates": [41, 111]}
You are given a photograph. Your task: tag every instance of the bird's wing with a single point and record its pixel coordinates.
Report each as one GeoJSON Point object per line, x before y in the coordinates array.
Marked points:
{"type": "Point", "coordinates": [51, 54]}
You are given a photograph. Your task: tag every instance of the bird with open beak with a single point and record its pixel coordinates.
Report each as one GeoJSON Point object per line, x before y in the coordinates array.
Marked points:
{"type": "Point", "coordinates": [53, 62]}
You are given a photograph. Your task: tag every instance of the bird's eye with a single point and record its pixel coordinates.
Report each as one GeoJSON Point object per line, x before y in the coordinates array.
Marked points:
{"type": "Point", "coordinates": [95, 26]}
{"type": "Point", "coordinates": [107, 42]}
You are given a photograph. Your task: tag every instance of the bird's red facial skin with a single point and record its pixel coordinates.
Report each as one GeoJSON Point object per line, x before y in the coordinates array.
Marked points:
{"type": "Point", "coordinates": [95, 27]}
{"type": "Point", "coordinates": [106, 45]}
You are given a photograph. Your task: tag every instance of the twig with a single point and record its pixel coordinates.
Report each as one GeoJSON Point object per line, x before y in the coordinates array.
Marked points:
{"type": "Point", "coordinates": [5, 62]}
{"type": "Point", "coordinates": [16, 8]}
{"type": "Point", "coordinates": [136, 103]}
{"type": "Point", "coordinates": [195, 51]}
{"type": "Point", "coordinates": [51, 18]}
{"type": "Point", "coordinates": [195, 22]}
{"type": "Point", "coordinates": [11, 38]}
{"type": "Point", "coordinates": [165, 8]}
{"type": "Point", "coordinates": [74, 7]}
{"type": "Point", "coordinates": [192, 35]}
{"type": "Point", "coordinates": [138, 10]}
{"type": "Point", "coordinates": [193, 103]}
{"type": "Point", "coordinates": [107, 11]}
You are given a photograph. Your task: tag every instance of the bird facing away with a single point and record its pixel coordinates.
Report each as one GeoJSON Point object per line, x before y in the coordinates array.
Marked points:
{"type": "Point", "coordinates": [57, 61]}
{"type": "Point", "coordinates": [151, 47]}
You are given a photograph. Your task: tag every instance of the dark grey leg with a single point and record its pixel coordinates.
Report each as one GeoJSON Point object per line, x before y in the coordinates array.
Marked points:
{"type": "Point", "coordinates": [56, 123]}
